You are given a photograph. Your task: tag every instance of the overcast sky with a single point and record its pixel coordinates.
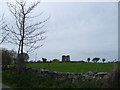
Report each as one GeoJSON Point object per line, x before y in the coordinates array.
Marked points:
{"type": "Point", "coordinates": [78, 29]}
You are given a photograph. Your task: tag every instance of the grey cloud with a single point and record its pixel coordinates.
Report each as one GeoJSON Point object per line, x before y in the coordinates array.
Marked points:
{"type": "Point", "coordinates": [80, 29]}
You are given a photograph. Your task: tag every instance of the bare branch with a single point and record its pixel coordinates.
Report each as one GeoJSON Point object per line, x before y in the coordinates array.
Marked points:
{"type": "Point", "coordinates": [31, 31]}
{"type": "Point", "coordinates": [3, 38]}
{"type": "Point", "coordinates": [2, 26]}
{"type": "Point", "coordinates": [32, 7]}
{"type": "Point", "coordinates": [35, 16]}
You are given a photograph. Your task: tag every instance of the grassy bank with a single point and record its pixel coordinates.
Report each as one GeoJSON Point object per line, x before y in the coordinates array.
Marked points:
{"type": "Point", "coordinates": [75, 67]}
{"type": "Point", "coordinates": [30, 80]}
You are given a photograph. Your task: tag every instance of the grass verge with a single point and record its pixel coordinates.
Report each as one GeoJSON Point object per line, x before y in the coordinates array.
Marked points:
{"type": "Point", "coordinates": [30, 80]}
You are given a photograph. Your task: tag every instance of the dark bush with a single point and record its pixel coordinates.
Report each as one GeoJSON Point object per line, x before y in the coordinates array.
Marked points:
{"type": "Point", "coordinates": [115, 77]}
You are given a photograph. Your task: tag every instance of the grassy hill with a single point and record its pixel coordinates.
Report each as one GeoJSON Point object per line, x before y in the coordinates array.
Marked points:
{"type": "Point", "coordinates": [75, 67]}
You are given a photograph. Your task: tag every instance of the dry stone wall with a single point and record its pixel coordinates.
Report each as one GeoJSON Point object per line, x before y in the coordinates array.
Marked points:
{"type": "Point", "coordinates": [73, 77]}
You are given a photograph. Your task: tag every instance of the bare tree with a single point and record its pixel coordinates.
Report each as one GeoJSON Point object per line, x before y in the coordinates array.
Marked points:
{"type": "Point", "coordinates": [26, 33]}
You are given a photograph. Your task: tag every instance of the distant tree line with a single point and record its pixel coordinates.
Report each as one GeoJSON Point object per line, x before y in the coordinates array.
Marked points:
{"type": "Point", "coordinates": [10, 57]}
{"type": "Point", "coordinates": [96, 59]}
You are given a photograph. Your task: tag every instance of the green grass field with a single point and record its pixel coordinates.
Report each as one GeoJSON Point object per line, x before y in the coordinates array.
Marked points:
{"type": "Point", "coordinates": [75, 67]}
